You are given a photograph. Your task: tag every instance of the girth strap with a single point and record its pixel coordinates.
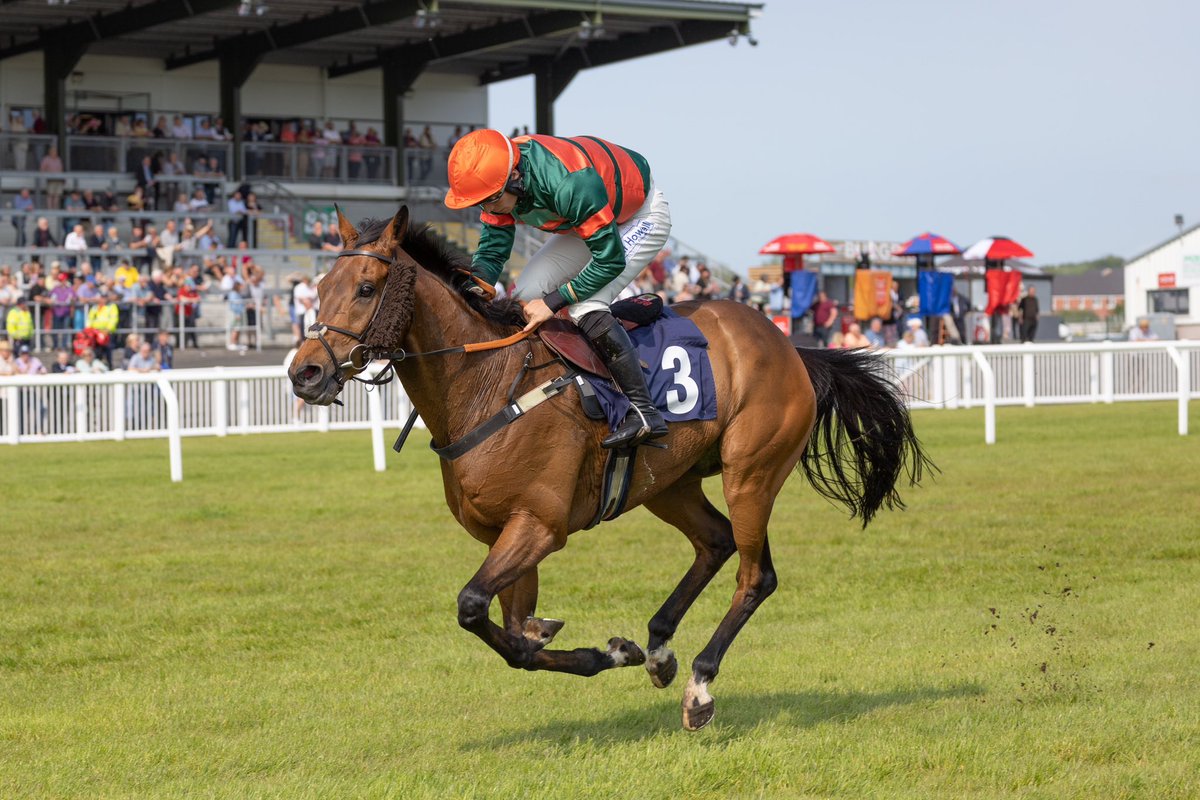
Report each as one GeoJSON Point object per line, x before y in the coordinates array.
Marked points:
{"type": "Point", "coordinates": [507, 415]}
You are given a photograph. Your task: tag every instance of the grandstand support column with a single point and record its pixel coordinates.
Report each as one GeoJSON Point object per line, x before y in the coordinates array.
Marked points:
{"type": "Point", "coordinates": [398, 77]}
{"type": "Point", "coordinates": [60, 57]}
{"type": "Point", "coordinates": [235, 68]}
{"type": "Point", "coordinates": [551, 78]}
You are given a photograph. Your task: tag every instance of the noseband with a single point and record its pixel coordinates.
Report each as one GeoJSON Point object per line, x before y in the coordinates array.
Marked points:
{"type": "Point", "coordinates": [357, 360]}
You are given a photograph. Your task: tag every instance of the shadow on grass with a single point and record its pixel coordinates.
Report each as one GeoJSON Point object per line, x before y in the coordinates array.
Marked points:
{"type": "Point", "coordinates": [736, 713]}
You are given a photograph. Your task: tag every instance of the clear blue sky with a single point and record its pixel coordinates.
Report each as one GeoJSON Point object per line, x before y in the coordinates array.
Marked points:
{"type": "Point", "coordinates": [1070, 126]}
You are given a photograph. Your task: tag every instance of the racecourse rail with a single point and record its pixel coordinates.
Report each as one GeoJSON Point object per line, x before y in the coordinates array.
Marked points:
{"type": "Point", "coordinates": [239, 400]}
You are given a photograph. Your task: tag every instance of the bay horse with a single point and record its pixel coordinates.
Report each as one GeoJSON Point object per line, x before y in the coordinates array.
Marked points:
{"type": "Point", "coordinates": [523, 491]}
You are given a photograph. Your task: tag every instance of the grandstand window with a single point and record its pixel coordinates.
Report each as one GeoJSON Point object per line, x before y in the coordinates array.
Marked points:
{"type": "Point", "coordinates": [1168, 301]}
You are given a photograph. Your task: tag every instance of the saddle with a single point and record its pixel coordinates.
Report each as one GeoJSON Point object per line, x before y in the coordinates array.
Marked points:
{"type": "Point", "coordinates": [568, 342]}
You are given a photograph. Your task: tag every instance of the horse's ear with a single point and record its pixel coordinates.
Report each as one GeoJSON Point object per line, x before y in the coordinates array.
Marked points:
{"type": "Point", "coordinates": [398, 226]}
{"type": "Point", "coordinates": [347, 231]}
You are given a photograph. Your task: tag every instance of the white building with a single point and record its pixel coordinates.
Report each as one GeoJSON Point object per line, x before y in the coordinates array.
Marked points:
{"type": "Point", "coordinates": [1166, 280]}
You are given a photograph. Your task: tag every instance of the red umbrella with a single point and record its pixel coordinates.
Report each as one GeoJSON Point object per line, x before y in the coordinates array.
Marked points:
{"type": "Point", "coordinates": [796, 244]}
{"type": "Point", "coordinates": [996, 248]}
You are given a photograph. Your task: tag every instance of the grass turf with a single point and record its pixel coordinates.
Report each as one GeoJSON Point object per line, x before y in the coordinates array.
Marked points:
{"type": "Point", "coordinates": [282, 624]}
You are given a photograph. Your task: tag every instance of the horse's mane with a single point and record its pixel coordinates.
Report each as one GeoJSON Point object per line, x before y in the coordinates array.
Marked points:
{"type": "Point", "coordinates": [439, 258]}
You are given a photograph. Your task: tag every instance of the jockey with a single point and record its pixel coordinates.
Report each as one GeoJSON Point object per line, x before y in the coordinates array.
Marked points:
{"type": "Point", "coordinates": [601, 198]}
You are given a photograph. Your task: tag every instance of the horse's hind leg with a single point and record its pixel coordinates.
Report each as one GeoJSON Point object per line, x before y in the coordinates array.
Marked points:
{"type": "Point", "coordinates": [685, 507]}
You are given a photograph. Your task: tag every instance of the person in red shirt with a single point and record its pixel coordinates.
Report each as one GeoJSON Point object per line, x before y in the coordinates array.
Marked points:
{"type": "Point", "coordinates": [824, 317]}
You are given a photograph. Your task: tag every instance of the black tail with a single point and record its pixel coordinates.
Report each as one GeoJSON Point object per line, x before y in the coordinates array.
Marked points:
{"type": "Point", "coordinates": [863, 440]}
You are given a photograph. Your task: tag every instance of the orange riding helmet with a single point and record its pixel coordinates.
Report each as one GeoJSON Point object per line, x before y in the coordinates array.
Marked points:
{"type": "Point", "coordinates": [479, 166]}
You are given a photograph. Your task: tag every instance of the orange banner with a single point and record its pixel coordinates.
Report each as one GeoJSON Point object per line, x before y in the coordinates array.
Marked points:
{"type": "Point", "coordinates": [872, 294]}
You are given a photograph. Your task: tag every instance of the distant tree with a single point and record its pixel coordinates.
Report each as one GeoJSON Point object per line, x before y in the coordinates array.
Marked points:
{"type": "Point", "coordinates": [1080, 267]}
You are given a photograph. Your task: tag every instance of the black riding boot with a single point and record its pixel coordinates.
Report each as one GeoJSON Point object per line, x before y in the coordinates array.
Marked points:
{"type": "Point", "coordinates": [643, 420]}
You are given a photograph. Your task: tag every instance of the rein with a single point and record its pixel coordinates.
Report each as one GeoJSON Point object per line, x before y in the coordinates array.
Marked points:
{"type": "Point", "coordinates": [361, 355]}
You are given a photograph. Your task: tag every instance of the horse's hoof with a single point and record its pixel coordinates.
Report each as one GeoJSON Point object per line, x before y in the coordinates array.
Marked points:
{"type": "Point", "coordinates": [625, 653]}
{"type": "Point", "coordinates": [541, 631]}
{"type": "Point", "coordinates": [698, 715]}
{"type": "Point", "coordinates": [662, 666]}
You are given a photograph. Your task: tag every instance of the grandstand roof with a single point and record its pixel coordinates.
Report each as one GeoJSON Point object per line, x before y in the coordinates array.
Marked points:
{"type": "Point", "coordinates": [492, 39]}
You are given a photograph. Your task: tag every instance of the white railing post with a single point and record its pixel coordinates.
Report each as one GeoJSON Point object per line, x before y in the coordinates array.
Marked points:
{"type": "Point", "coordinates": [989, 397]}
{"type": "Point", "coordinates": [220, 396]}
{"type": "Point", "coordinates": [1183, 371]}
{"type": "Point", "coordinates": [937, 377]}
{"type": "Point", "coordinates": [1094, 377]}
{"type": "Point", "coordinates": [175, 441]}
{"type": "Point", "coordinates": [375, 412]}
{"type": "Point", "coordinates": [951, 382]}
{"type": "Point", "coordinates": [1108, 378]}
{"type": "Point", "coordinates": [323, 419]}
{"type": "Point", "coordinates": [968, 382]}
{"type": "Point", "coordinates": [118, 411]}
{"type": "Point", "coordinates": [1027, 378]}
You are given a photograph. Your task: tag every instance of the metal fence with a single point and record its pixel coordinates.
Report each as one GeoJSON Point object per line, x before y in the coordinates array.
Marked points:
{"type": "Point", "coordinates": [319, 162]}
{"type": "Point", "coordinates": [224, 401]}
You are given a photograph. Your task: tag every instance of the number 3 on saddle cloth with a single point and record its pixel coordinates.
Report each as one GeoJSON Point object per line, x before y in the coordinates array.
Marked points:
{"type": "Point", "coordinates": [673, 353]}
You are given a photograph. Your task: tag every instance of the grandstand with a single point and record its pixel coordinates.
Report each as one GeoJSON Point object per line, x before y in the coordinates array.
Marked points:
{"type": "Point", "coordinates": [130, 115]}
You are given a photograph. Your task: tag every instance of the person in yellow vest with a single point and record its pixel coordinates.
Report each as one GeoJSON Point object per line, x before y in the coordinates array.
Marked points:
{"type": "Point", "coordinates": [19, 324]}
{"type": "Point", "coordinates": [102, 318]}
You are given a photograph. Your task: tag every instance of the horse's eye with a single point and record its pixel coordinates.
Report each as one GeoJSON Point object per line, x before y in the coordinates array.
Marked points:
{"type": "Point", "coordinates": [366, 290]}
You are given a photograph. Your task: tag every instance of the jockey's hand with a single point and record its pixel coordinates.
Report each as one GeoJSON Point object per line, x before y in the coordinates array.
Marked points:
{"type": "Point", "coordinates": [536, 312]}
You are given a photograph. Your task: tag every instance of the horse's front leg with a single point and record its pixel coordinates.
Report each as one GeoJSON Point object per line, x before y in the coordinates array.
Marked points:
{"type": "Point", "coordinates": [522, 545]}
{"type": "Point", "coordinates": [519, 603]}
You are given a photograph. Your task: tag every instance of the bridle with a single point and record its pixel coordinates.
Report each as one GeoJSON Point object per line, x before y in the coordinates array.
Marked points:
{"type": "Point", "coordinates": [357, 358]}
{"type": "Point", "coordinates": [361, 354]}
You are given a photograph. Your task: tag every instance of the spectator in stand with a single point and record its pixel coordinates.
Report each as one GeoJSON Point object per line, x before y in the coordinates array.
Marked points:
{"type": "Point", "coordinates": [371, 140]}
{"type": "Point", "coordinates": [211, 187]}
{"type": "Point", "coordinates": [103, 318]}
{"type": "Point", "coordinates": [90, 363]}
{"type": "Point", "coordinates": [20, 143]}
{"type": "Point", "coordinates": [354, 156]}
{"type": "Point", "coordinates": [320, 240]}
{"type": "Point", "coordinates": [27, 363]}
{"type": "Point", "coordinates": [205, 131]}
{"type": "Point", "coordinates": [62, 298]}
{"type": "Point", "coordinates": [178, 129]}
{"type": "Point", "coordinates": [199, 202]}
{"type": "Point", "coordinates": [113, 243]}
{"type": "Point", "coordinates": [183, 205]}
{"type": "Point", "coordinates": [8, 364]}
{"type": "Point", "coordinates": [139, 130]}
{"type": "Point", "coordinates": [825, 314]}
{"type": "Point", "coordinates": [710, 287]}
{"type": "Point", "coordinates": [412, 155]}
{"type": "Point", "coordinates": [9, 292]}
{"type": "Point", "coordinates": [22, 205]}
{"type": "Point", "coordinates": [256, 303]}
{"type": "Point", "coordinates": [126, 275]}
{"type": "Point", "coordinates": [428, 147]}
{"type": "Point", "coordinates": [454, 137]}
{"type": "Point", "coordinates": [236, 206]}
{"type": "Point", "coordinates": [147, 181]}
{"type": "Point", "coordinates": [52, 164]}
{"type": "Point", "coordinates": [132, 342]}
{"type": "Point", "coordinates": [304, 297]}
{"type": "Point", "coordinates": [168, 244]}
{"type": "Point", "coordinates": [161, 129]}
{"type": "Point", "coordinates": [233, 287]}
{"type": "Point", "coordinates": [919, 337]}
{"type": "Point", "coordinates": [164, 351]}
{"type": "Point", "coordinates": [137, 202]}
{"type": "Point", "coordinates": [332, 140]}
{"type": "Point", "coordinates": [159, 297]}
{"type": "Point", "coordinates": [1027, 310]}
{"type": "Point", "coordinates": [62, 362]}
{"type": "Point", "coordinates": [1139, 333]}
{"type": "Point", "coordinates": [142, 244]}
{"type": "Point", "coordinates": [76, 241]}
{"type": "Point", "coordinates": [739, 292]}
{"type": "Point", "coordinates": [188, 306]}
{"type": "Point", "coordinates": [42, 235]}
{"type": "Point", "coordinates": [19, 323]}
{"type": "Point", "coordinates": [305, 162]}
{"type": "Point", "coordinates": [97, 241]}
{"type": "Point", "coordinates": [85, 295]}
{"type": "Point", "coordinates": [143, 360]}
{"type": "Point", "coordinates": [123, 126]}
{"type": "Point", "coordinates": [253, 210]}
{"type": "Point", "coordinates": [855, 337]}
{"type": "Point", "coordinates": [169, 172]}
{"type": "Point", "coordinates": [874, 334]}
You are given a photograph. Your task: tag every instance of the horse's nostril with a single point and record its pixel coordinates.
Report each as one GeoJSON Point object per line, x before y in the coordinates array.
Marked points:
{"type": "Point", "coordinates": [308, 375]}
